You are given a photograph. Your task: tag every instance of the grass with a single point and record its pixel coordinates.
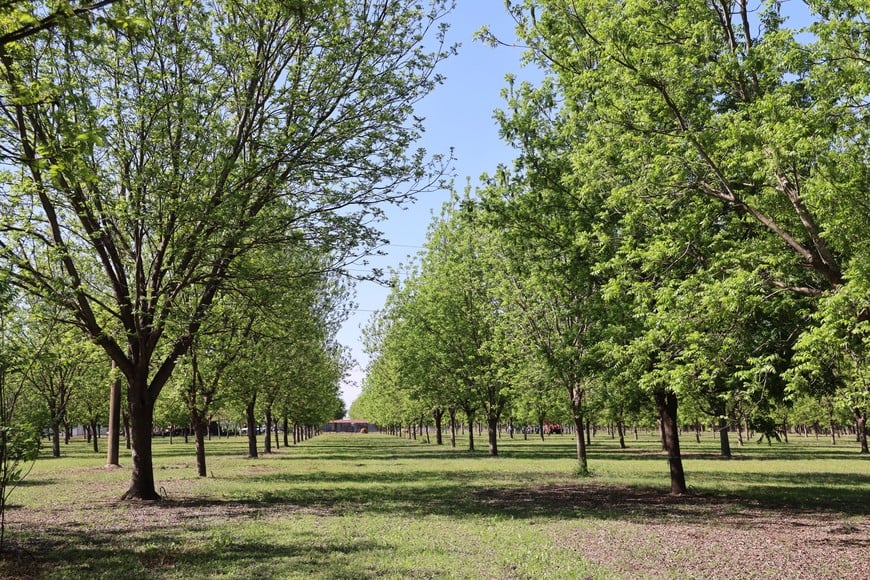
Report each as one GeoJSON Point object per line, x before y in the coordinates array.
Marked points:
{"type": "Point", "coordinates": [341, 506]}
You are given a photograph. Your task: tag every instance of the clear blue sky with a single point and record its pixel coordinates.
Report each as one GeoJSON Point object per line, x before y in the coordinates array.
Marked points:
{"type": "Point", "coordinates": [458, 114]}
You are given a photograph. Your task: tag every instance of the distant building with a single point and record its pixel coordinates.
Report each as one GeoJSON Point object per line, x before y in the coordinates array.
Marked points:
{"type": "Point", "coordinates": [350, 426]}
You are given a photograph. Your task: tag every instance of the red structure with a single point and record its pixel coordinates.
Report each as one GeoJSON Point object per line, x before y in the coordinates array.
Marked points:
{"type": "Point", "coordinates": [349, 426]}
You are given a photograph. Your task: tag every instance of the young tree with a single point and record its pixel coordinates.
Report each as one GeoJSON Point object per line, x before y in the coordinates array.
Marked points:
{"type": "Point", "coordinates": [171, 138]}
{"type": "Point", "coordinates": [61, 366]}
{"type": "Point", "coordinates": [19, 441]}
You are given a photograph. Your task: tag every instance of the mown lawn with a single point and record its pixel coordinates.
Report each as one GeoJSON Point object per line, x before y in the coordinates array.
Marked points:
{"type": "Point", "coordinates": [362, 506]}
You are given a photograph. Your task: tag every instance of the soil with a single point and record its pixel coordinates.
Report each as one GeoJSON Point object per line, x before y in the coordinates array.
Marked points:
{"type": "Point", "coordinates": [645, 534]}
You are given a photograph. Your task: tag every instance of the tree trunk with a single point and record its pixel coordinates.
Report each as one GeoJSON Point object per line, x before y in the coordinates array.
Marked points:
{"type": "Point", "coordinates": [286, 428]}
{"type": "Point", "coordinates": [724, 443]}
{"type": "Point", "coordinates": [141, 426]}
{"type": "Point", "coordinates": [471, 434]}
{"type": "Point", "coordinates": [126, 417]}
{"type": "Point", "coordinates": [580, 439]}
{"type": "Point", "coordinates": [492, 432]}
{"type": "Point", "coordinates": [274, 429]}
{"type": "Point", "coordinates": [250, 419]}
{"type": "Point", "coordinates": [114, 439]}
{"type": "Point", "coordinates": [94, 435]}
{"type": "Point", "coordinates": [199, 429]}
{"type": "Point", "coordinates": [666, 402]}
{"type": "Point", "coordinates": [621, 431]}
{"type": "Point", "coordinates": [267, 436]}
{"type": "Point", "coordinates": [451, 411]}
{"type": "Point", "coordinates": [55, 438]}
{"type": "Point", "coordinates": [437, 415]}
{"type": "Point", "coordinates": [861, 428]}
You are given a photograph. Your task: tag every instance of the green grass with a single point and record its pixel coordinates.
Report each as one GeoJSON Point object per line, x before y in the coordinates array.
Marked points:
{"type": "Point", "coordinates": [377, 506]}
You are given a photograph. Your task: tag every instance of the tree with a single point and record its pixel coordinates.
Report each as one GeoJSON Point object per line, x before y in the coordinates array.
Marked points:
{"type": "Point", "coordinates": [90, 406]}
{"type": "Point", "coordinates": [19, 441]}
{"type": "Point", "coordinates": [550, 291]}
{"type": "Point", "coordinates": [168, 140]}
{"type": "Point", "coordinates": [61, 365]}
{"type": "Point", "coordinates": [832, 358]}
{"type": "Point", "coordinates": [456, 307]}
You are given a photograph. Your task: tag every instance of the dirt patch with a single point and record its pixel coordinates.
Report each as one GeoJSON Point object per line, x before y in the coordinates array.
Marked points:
{"type": "Point", "coordinates": [647, 534]}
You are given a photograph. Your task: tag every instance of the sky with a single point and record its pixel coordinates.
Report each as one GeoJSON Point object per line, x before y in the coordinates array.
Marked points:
{"type": "Point", "coordinates": [459, 114]}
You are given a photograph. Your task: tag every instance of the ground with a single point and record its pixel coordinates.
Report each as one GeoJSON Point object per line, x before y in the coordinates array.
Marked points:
{"type": "Point", "coordinates": [339, 507]}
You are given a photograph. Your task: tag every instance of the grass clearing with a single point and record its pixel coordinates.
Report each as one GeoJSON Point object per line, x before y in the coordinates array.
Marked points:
{"type": "Point", "coordinates": [342, 506]}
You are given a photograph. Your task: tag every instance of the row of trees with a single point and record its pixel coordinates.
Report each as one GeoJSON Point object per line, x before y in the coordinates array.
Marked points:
{"type": "Point", "coordinates": [265, 351]}
{"type": "Point", "coordinates": [685, 225]}
{"type": "Point", "coordinates": [183, 181]}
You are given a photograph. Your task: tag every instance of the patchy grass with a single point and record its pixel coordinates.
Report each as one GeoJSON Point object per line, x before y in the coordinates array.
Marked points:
{"type": "Point", "coordinates": [343, 506]}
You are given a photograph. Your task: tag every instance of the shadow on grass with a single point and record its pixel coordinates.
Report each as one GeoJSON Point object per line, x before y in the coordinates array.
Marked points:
{"type": "Point", "coordinates": [420, 490]}
{"type": "Point", "coordinates": [156, 553]}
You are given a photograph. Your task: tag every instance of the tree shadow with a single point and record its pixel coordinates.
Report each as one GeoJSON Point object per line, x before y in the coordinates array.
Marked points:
{"type": "Point", "coordinates": [529, 495]}
{"type": "Point", "coordinates": [155, 553]}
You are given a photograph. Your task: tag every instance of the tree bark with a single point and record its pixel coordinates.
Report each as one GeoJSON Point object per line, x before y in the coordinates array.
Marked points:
{"type": "Point", "coordinates": [471, 434]}
{"type": "Point", "coordinates": [199, 428]}
{"type": "Point", "coordinates": [666, 402]}
{"type": "Point", "coordinates": [125, 415]}
{"type": "Point", "coordinates": [113, 445]}
{"type": "Point", "coordinates": [580, 440]}
{"type": "Point", "coordinates": [437, 415]}
{"type": "Point", "coordinates": [724, 442]}
{"type": "Point", "coordinates": [141, 427]}
{"type": "Point", "coordinates": [492, 432]}
{"type": "Point", "coordinates": [267, 436]}
{"type": "Point", "coordinates": [94, 435]}
{"type": "Point", "coordinates": [55, 438]}
{"type": "Point", "coordinates": [861, 428]}
{"type": "Point", "coordinates": [621, 431]}
{"type": "Point", "coordinates": [252, 428]}
{"type": "Point", "coordinates": [451, 411]}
